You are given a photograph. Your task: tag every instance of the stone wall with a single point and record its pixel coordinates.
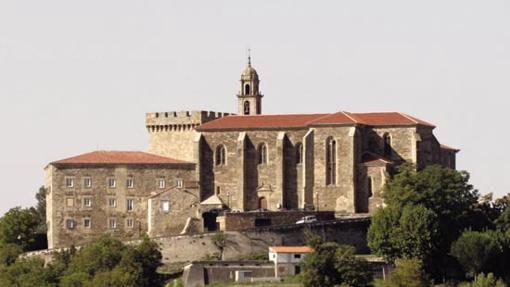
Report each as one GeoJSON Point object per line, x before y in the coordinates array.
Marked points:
{"type": "Point", "coordinates": [68, 203]}
{"type": "Point", "coordinates": [171, 133]}
{"type": "Point", "coordinates": [183, 206]}
{"type": "Point", "coordinates": [248, 220]}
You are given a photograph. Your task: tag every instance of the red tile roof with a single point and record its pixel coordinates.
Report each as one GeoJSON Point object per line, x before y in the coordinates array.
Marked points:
{"type": "Point", "coordinates": [118, 157]}
{"type": "Point", "coordinates": [305, 120]}
{"type": "Point", "coordinates": [374, 159]}
{"type": "Point", "coordinates": [443, 146]}
{"type": "Point", "coordinates": [290, 249]}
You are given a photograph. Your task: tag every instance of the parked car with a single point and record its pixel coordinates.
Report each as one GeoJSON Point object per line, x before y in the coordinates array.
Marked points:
{"type": "Point", "coordinates": [307, 219]}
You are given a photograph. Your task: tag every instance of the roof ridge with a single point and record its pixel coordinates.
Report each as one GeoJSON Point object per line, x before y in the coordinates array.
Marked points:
{"type": "Point", "coordinates": [348, 114]}
{"type": "Point", "coordinates": [408, 117]}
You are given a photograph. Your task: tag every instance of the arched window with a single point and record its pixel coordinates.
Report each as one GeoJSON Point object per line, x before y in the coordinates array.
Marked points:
{"type": "Point", "coordinates": [330, 161]}
{"type": "Point", "coordinates": [387, 144]}
{"type": "Point", "coordinates": [247, 89]}
{"type": "Point", "coordinates": [262, 153]}
{"type": "Point", "coordinates": [369, 186]}
{"type": "Point", "coordinates": [299, 153]}
{"type": "Point", "coordinates": [246, 108]}
{"type": "Point", "coordinates": [221, 155]}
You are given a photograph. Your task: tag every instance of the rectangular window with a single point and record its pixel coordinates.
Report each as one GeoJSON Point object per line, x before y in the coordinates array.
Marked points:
{"type": "Point", "coordinates": [297, 256]}
{"type": "Point", "coordinates": [87, 182]}
{"type": "Point", "coordinates": [112, 223]}
{"type": "Point", "coordinates": [130, 223]}
{"type": "Point", "coordinates": [130, 204]}
{"type": "Point", "coordinates": [130, 183]}
{"type": "Point", "coordinates": [87, 223]}
{"type": "Point", "coordinates": [70, 224]}
{"type": "Point", "coordinates": [70, 202]}
{"type": "Point", "coordinates": [87, 201]}
{"type": "Point", "coordinates": [69, 182]}
{"type": "Point", "coordinates": [161, 183]}
{"type": "Point", "coordinates": [112, 182]}
{"type": "Point", "coordinates": [112, 202]}
{"type": "Point", "coordinates": [165, 205]}
{"type": "Point", "coordinates": [180, 183]}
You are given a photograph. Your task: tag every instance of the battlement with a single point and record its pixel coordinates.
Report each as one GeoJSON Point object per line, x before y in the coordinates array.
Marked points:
{"type": "Point", "coordinates": [179, 120]}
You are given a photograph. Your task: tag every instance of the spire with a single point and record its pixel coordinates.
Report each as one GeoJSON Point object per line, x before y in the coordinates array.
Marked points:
{"type": "Point", "coordinates": [249, 57]}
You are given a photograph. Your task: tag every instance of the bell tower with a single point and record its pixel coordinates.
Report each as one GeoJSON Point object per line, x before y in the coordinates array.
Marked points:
{"type": "Point", "coordinates": [249, 98]}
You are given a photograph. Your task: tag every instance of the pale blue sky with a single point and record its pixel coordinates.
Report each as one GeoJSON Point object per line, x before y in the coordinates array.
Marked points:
{"type": "Point", "coordinates": [79, 75]}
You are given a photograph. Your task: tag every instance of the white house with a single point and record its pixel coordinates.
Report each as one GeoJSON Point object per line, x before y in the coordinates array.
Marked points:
{"type": "Point", "coordinates": [286, 259]}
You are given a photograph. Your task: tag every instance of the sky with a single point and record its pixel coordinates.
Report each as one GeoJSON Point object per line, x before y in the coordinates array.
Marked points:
{"type": "Point", "coordinates": [78, 76]}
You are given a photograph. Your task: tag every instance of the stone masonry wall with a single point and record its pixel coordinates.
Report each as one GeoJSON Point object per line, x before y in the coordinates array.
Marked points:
{"type": "Point", "coordinates": [171, 133]}
{"type": "Point", "coordinates": [67, 203]}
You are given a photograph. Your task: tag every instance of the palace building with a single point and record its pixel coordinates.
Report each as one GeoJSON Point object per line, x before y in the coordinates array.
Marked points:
{"type": "Point", "coordinates": [202, 161]}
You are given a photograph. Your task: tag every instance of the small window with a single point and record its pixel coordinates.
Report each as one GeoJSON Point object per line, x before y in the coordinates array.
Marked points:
{"type": "Point", "coordinates": [130, 223]}
{"type": "Point", "coordinates": [130, 204]}
{"type": "Point", "coordinates": [87, 223]}
{"type": "Point", "coordinates": [112, 202]}
{"type": "Point", "coordinates": [221, 155]}
{"type": "Point", "coordinates": [246, 108]}
{"type": "Point", "coordinates": [369, 186]}
{"type": "Point", "coordinates": [70, 223]}
{"type": "Point", "coordinates": [69, 182]}
{"type": "Point", "coordinates": [165, 205]}
{"type": "Point", "coordinates": [87, 201]}
{"type": "Point", "coordinates": [112, 183]}
{"type": "Point", "coordinates": [262, 153]}
{"type": "Point", "coordinates": [161, 183]}
{"type": "Point", "coordinates": [218, 190]}
{"type": "Point", "coordinates": [87, 182]}
{"type": "Point", "coordinates": [130, 183]}
{"type": "Point", "coordinates": [112, 223]}
{"type": "Point", "coordinates": [180, 183]}
{"type": "Point", "coordinates": [70, 202]}
{"type": "Point", "coordinates": [297, 256]}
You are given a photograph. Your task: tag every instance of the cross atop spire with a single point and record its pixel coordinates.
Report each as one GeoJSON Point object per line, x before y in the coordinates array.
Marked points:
{"type": "Point", "coordinates": [249, 57]}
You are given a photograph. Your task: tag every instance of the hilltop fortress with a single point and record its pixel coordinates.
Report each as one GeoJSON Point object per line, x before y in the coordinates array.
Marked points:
{"type": "Point", "coordinates": [199, 163]}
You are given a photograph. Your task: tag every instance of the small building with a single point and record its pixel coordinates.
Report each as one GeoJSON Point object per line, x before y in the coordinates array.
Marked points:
{"type": "Point", "coordinates": [286, 259]}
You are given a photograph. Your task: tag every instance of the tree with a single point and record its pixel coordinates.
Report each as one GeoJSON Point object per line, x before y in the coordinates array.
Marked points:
{"type": "Point", "coordinates": [485, 281]}
{"type": "Point", "coordinates": [19, 226]}
{"type": "Point", "coordinates": [503, 221]}
{"type": "Point", "coordinates": [40, 209]}
{"type": "Point", "coordinates": [409, 233]}
{"type": "Point", "coordinates": [108, 262]}
{"type": "Point", "coordinates": [331, 264]}
{"type": "Point", "coordinates": [481, 252]}
{"type": "Point", "coordinates": [447, 204]}
{"type": "Point", "coordinates": [9, 253]}
{"type": "Point", "coordinates": [407, 273]}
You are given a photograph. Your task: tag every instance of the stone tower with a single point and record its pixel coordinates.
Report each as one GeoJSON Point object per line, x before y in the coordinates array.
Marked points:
{"type": "Point", "coordinates": [249, 97]}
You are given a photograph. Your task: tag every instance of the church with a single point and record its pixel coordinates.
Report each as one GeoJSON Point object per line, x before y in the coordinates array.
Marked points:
{"type": "Point", "coordinates": [198, 161]}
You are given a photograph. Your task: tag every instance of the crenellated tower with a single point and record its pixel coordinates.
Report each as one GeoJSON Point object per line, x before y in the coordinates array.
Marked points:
{"type": "Point", "coordinates": [249, 97]}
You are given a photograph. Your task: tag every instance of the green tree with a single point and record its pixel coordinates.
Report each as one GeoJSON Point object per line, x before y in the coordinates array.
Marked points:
{"type": "Point", "coordinates": [19, 226]}
{"type": "Point", "coordinates": [9, 253]}
{"type": "Point", "coordinates": [26, 273]}
{"type": "Point", "coordinates": [503, 221]}
{"type": "Point", "coordinates": [331, 264]}
{"type": "Point", "coordinates": [407, 233]}
{"type": "Point", "coordinates": [481, 252]}
{"type": "Point", "coordinates": [40, 209]}
{"type": "Point", "coordinates": [447, 204]}
{"type": "Point", "coordinates": [485, 281]}
{"type": "Point", "coordinates": [407, 273]}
